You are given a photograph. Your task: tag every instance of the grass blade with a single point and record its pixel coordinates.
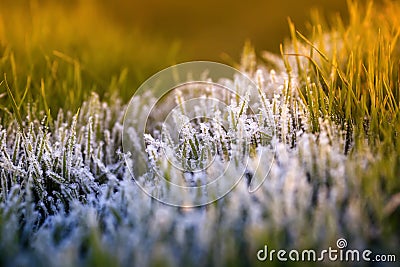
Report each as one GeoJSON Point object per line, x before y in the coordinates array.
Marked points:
{"type": "Point", "coordinates": [13, 103]}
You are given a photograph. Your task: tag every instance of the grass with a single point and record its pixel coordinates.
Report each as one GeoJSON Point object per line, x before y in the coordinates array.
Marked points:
{"type": "Point", "coordinates": [67, 198]}
{"type": "Point", "coordinates": [73, 57]}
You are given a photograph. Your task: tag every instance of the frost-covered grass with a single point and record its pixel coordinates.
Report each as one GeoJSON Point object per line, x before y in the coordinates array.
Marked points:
{"type": "Point", "coordinates": [67, 198]}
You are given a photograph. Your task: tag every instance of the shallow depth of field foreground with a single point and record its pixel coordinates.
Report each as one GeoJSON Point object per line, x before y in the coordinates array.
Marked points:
{"type": "Point", "coordinates": [67, 197]}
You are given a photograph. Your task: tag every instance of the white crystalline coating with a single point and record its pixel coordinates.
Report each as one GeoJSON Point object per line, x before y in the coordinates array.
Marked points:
{"type": "Point", "coordinates": [191, 123]}
{"type": "Point", "coordinates": [61, 193]}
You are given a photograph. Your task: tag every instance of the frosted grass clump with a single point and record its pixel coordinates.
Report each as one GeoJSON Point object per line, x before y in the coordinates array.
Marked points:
{"type": "Point", "coordinates": [201, 124]}
{"type": "Point", "coordinates": [68, 199]}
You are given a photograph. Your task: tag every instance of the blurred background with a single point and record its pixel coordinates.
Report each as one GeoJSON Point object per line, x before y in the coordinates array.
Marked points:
{"type": "Point", "coordinates": [137, 38]}
{"type": "Point", "coordinates": [208, 28]}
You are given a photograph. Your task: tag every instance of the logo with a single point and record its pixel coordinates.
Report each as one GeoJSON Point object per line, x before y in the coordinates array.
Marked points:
{"type": "Point", "coordinates": [341, 254]}
{"type": "Point", "coordinates": [192, 131]}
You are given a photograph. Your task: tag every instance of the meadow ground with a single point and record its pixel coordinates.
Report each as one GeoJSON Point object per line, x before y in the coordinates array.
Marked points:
{"type": "Point", "coordinates": [67, 198]}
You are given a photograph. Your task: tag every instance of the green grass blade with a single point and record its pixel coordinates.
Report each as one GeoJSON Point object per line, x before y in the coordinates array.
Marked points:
{"type": "Point", "coordinates": [13, 103]}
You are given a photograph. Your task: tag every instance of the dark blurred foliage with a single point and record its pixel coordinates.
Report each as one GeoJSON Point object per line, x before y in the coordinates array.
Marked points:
{"type": "Point", "coordinates": [208, 28]}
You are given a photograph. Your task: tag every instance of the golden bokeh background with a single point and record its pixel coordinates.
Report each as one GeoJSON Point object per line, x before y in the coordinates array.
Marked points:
{"type": "Point", "coordinates": [203, 29]}
{"type": "Point", "coordinates": [207, 28]}
{"type": "Point", "coordinates": [128, 41]}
